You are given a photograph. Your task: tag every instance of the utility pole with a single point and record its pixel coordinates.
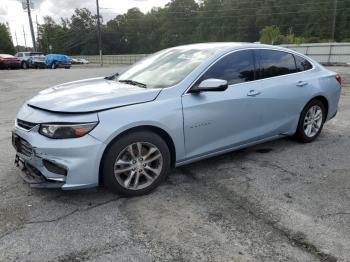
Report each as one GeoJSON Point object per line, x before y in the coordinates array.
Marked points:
{"type": "Point", "coordinates": [16, 42]}
{"type": "Point", "coordinates": [31, 24]}
{"type": "Point", "coordinates": [334, 18]}
{"type": "Point", "coordinates": [25, 38]}
{"type": "Point", "coordinates": [99, 32]}
{"type": "Point", "coordinates": [37, 31]}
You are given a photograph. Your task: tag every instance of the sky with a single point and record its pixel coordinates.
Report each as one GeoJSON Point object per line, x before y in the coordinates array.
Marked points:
{"type": "Point", "coordinates": [11, 11]}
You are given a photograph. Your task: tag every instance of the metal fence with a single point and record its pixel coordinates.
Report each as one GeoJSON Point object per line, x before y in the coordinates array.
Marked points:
{"type": "Point", "coordinates": [113, 59]}
{"type": "Point", "coordinates": [325, 53]}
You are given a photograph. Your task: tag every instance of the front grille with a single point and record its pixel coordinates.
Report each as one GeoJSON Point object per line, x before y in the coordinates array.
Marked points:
{"type": "Point", "coordinates": [25, 125]}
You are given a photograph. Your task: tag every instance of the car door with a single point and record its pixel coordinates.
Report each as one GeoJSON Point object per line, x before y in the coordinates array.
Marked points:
{"type": "Point", "coordinates": [220, 120]}
{"type": "Point", "coordinates": [283, 92]}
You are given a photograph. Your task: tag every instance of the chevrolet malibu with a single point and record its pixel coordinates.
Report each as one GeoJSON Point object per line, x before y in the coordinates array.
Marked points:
{"type": "Point", "coordinates": [177, 106]}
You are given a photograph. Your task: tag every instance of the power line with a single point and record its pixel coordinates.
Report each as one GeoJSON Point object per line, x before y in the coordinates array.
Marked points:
{"type": "Point", "coordinates": [247, 15]}
{"type": "Point", "coordinates": [204, 10]}
{"type": "Point", "coordinates": [245, 2]}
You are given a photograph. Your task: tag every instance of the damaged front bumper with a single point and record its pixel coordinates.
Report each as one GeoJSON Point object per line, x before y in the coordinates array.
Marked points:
{"type": "Point", "coordinates": [33, 176]}
{"type": "Point", "coordinates": [57, 163]}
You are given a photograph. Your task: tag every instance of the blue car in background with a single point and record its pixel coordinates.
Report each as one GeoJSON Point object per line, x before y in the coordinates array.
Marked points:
{"type": "Point", "coordinates": [54, 61]}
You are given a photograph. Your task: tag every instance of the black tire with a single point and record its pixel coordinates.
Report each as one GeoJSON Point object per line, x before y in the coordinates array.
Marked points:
{"type": "Point", "coordinates": [300, 133]}
{"type": "Point", "coordinates": [54, 65]}
{"type": "Point", "coordinates": [24, 65]}
{"type": "Point", "coordinates": [116, 148]}
{"type": "Point", "coordinates": [67, 67]}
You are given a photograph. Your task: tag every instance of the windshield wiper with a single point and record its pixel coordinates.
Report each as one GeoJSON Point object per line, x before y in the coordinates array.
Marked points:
{"type": "Point", "coordinates": [132, 82]}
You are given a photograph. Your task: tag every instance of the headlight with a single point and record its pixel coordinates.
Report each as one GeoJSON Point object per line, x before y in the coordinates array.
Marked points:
{"type": "Point", "coordinates": [60, 131]}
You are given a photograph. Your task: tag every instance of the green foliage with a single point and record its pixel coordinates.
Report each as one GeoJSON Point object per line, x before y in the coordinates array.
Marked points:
{"type": "Point", "coordinates": [190, 21]}
{"type": "Point", "coordinates": [6, 45]}
{"type": "Point", "coordinates": [270, 34]}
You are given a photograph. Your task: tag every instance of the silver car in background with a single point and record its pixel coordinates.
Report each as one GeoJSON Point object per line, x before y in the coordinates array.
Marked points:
{"type": "Point", "coordinates": [27, 58]}
{"type": "Point", "coordinates": [175, 107]}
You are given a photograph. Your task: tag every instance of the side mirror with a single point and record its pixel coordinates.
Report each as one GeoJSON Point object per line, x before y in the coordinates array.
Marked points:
{"type": "Point", "coordinates": [210, 85]}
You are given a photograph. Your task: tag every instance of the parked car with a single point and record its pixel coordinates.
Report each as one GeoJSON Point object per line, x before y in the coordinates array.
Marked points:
{"type": "Point", "coordinates": [177, 106]}
{"type": "Point", "coordinates": [25, 58]}
{"type": "Point", "coordinates": [37, 61]}
{"type": "Point", "coordinates": [54, 61]}
{"type": "Point", "coordinates": [83, 61]}
{"type": "Point", "coordinates": [9, 61]}
{"type": "Point", "coordinates": [79, 61]}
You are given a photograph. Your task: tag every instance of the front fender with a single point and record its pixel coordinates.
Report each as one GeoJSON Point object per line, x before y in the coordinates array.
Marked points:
{"type": "Point", "coordinates": [164, 114]}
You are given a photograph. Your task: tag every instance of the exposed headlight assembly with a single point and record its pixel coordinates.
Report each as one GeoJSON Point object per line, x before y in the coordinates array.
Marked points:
{"type": "Point", "coordinates": [61, 131]}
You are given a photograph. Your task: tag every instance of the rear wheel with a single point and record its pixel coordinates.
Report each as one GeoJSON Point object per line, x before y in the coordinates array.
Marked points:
{"type": "Point", "coordinates": [136, 163]}
{"type": "Point", "coordinates": [54, 65]}
{"type": "Point", "coordinates": [311, 121]}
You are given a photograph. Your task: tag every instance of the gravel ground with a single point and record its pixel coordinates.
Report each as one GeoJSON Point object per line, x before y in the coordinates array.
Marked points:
{"type": "Point", "coordinates": [279, 201]}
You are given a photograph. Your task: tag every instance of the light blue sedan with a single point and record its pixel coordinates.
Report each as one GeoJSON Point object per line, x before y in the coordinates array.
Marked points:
{"type": "Point", "coordinates": [175, 107]}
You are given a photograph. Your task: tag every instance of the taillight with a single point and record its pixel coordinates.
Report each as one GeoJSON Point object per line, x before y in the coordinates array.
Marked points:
{"type": "Point", "coordinates": [338, 77]}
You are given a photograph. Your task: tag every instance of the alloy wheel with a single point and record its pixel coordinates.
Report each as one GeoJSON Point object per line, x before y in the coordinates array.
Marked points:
{"type": "Point", "coordinates": [313, 121]}
{"type": "Point", "coordinates": [138, 165]}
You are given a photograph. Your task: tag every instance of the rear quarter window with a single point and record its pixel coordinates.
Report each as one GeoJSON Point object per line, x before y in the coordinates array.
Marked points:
{"type": "Point", "coordinates": [302, 64]}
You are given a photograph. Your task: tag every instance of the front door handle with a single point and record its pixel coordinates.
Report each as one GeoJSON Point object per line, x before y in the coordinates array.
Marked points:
{"type": "Point", "coordinates": [302, 83]}
{"type": "Point", "coordinates": [253, 93]}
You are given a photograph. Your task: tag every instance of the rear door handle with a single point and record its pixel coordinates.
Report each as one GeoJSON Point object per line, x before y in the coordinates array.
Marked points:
{"type": "Point", "coordinates": [253, 93]}
{"type": "Point", "coordinates": [302, 83]}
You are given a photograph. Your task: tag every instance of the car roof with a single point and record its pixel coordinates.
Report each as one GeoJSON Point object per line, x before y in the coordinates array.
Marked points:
{"type": "Point", "coordinates": [230, 46]}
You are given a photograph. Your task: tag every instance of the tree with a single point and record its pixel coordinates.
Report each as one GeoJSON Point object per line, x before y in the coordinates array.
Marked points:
{"type": "Point", "coordinates": [6, 45]}
{"type": "Point", "coordinates": [189, 21]}
{"type": "Point", "coordinates": [269, 34]}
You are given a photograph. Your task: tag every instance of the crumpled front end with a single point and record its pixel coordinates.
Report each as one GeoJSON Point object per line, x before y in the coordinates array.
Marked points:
{"type": "Point", "coordinates": [55, 163]}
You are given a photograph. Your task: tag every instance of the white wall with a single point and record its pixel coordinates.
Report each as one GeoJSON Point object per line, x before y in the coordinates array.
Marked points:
{"type": "Point", "coordinates": [325, 53]}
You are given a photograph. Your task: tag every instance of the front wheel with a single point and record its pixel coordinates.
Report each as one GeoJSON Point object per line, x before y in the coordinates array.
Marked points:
{"type": "Point", "coordinates": [311, 121]}
{"type": "Point", "coordinates": [54, 65]}
{"type": "Point", "coordinates": [136, 163]}
{"type": "Point", "coordinates": [24, 65]}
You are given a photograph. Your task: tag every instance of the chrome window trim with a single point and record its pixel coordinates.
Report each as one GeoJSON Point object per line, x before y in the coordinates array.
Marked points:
{"type": "Point", "coordinates": [252, 48]}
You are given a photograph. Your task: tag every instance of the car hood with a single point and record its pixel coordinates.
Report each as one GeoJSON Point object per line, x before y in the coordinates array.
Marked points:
{"type": "Point", "coordinates": [91, 95]}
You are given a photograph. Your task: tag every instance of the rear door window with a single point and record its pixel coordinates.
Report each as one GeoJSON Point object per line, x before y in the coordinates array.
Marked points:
{"type": "Point", "coordinates": [275, 63]}
{"type": "Point", "coordinates": [302, 64]}
{"type": "Point", "coordinates": [237, 67]}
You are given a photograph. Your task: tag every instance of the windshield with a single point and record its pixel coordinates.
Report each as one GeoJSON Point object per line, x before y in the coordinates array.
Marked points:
{"type": "Point", "coordinates": [166, 68]}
